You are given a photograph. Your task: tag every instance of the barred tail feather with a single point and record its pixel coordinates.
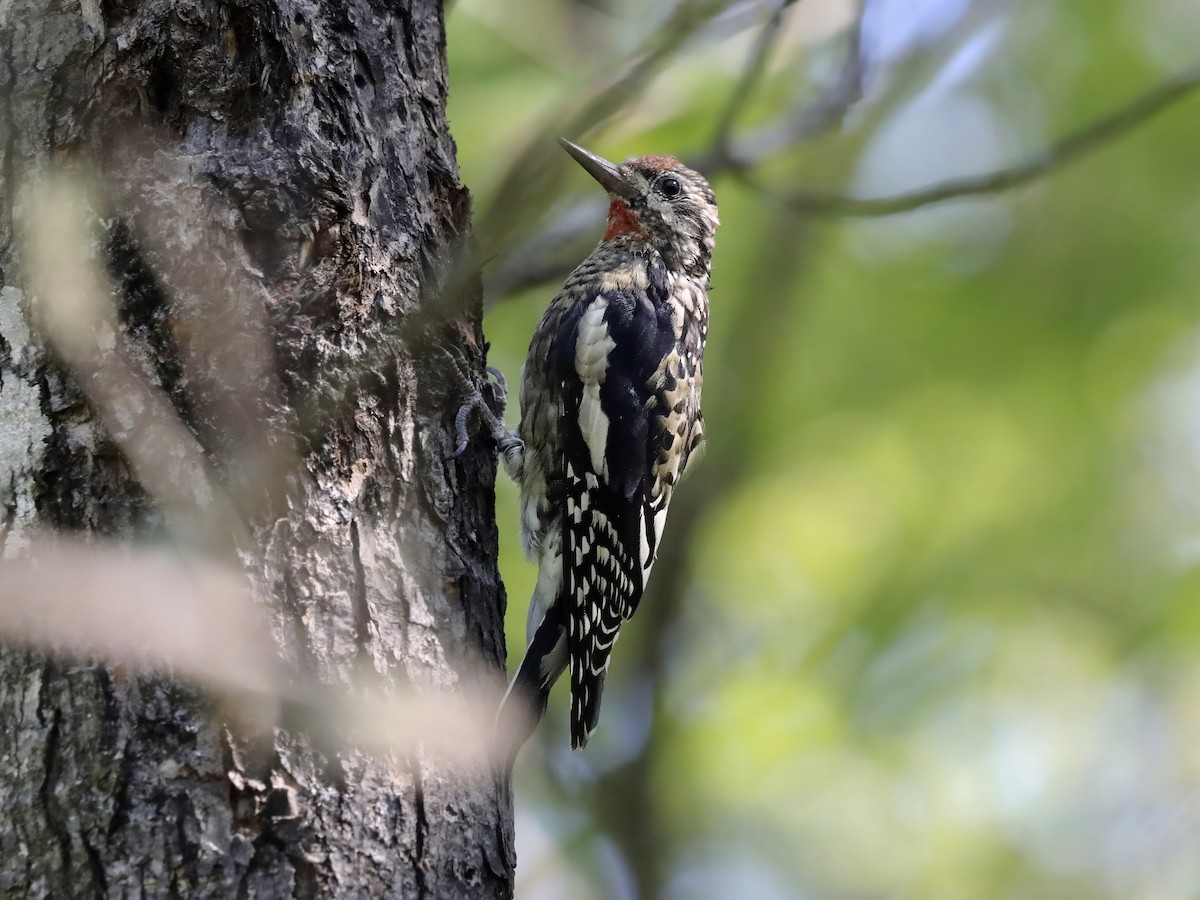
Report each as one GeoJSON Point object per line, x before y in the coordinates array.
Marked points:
{"type": "Point", "coordinates": [585, 708]}
{"type": "Point", "coordinates": [525, 701]}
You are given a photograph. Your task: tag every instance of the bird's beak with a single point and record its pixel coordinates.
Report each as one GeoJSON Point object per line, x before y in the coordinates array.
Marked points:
{"type": "Point", "coordinates": [599, 168]}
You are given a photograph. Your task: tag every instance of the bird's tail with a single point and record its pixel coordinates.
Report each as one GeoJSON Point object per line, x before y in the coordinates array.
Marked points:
{"type": "Point", "coordinates": [525, 701]}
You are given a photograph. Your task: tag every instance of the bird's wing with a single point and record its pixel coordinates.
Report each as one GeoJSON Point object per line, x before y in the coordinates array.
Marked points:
{"type": "Point", "coordinates": [617, 394]}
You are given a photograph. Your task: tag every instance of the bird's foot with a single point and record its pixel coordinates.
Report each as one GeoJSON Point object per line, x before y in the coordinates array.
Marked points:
{"type": "Point", "coordinates": [499, 388]}
{"type": "Point", "coordinates": [490, 413]}
{"type": "Point", "coordinates": [473, 404]}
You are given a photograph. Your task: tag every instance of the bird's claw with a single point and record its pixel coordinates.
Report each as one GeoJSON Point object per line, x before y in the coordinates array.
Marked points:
{"type": "Point", "coordinates": [475, 403]}
{"type": "Point", "coordinates": [461, 434]}
{"type": "Point", "coordinates": [500, 386]}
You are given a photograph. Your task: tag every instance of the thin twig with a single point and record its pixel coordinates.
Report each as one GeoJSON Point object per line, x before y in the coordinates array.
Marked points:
{"type": "Point", "coordinates": [756, 65]}
{"type": "Point", "coordinates": [1076, 145]}
{"type": "Point", "coordinates": [548, 253]}
{"type": "Point", "coordinates": [533, 176]}
{"type": "Point", "coordinates": [834, 103]}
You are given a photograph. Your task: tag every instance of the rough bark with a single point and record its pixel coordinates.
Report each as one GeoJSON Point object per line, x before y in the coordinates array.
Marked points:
{"type": "Point", "coordinates": [282, 168]}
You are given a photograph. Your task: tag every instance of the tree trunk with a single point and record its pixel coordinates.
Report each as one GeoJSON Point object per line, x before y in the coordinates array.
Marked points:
{"type": "Point", "coordinates": [283, 216]}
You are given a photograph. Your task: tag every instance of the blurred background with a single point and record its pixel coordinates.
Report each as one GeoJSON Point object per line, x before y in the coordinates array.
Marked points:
{"type": "Point", "coordinates": [926, 620]}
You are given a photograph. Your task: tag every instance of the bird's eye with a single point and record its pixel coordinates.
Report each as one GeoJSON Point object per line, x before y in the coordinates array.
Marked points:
{"type": "Point", "coordinates": [669, 186]}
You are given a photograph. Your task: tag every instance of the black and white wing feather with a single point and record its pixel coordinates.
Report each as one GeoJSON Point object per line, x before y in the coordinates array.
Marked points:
{"type": "Point", "coordinates": [629, 406]}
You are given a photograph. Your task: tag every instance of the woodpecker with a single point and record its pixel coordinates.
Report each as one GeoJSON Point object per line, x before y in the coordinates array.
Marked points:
{"type": "Point", "coordinates": [610, 419]}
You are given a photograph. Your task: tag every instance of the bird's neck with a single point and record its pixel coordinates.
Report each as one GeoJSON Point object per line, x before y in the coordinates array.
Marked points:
{"type": "Point", "coordinates": [698, 259]}
{"type": "Point", "coordinates": [687, 256]}
{"type": "Point", "coordinates": [626, 265]}
{"type": "Point", "coordinates": [627, 236]}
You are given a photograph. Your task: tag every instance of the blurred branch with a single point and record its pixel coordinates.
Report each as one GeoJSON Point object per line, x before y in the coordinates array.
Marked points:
{"type": "Point", "coordinates": [685, 21]}
{"type": "Point", "coordinates": [548, 253]}
{"type": "Point", "coordinates": [741, 16]}
{"type": "Point", "coordinates": [77, 314]}
{"type": "Point", "coordinates": [537, 171]}
{"type": "Point", "coordinates": [809, 121]}
{"type": "Point", "coordinates": [768, 37]}
{"type": "Point", "coordinates": [1074, 146]}
{"type": "Point", "coordinates": [551, 251]}
{"type": "Point", "coordinates": [155, 611]}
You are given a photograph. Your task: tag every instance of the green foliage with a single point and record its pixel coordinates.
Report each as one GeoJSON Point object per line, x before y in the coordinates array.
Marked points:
{"type": "Point", "coordinates": [931, 623]}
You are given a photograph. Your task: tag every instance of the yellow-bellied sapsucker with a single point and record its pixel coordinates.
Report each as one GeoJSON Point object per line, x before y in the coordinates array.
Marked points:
{"type": "Point", "coordinates": [610, 416]}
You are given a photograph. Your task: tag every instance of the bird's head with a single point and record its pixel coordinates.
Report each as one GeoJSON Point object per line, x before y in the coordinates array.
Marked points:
{"type": "Point", "coordinates": [659, 201]}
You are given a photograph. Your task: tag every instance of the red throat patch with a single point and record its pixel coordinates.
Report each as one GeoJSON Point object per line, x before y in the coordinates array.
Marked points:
{"type": "Point", "coordinates": [621, 221]}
